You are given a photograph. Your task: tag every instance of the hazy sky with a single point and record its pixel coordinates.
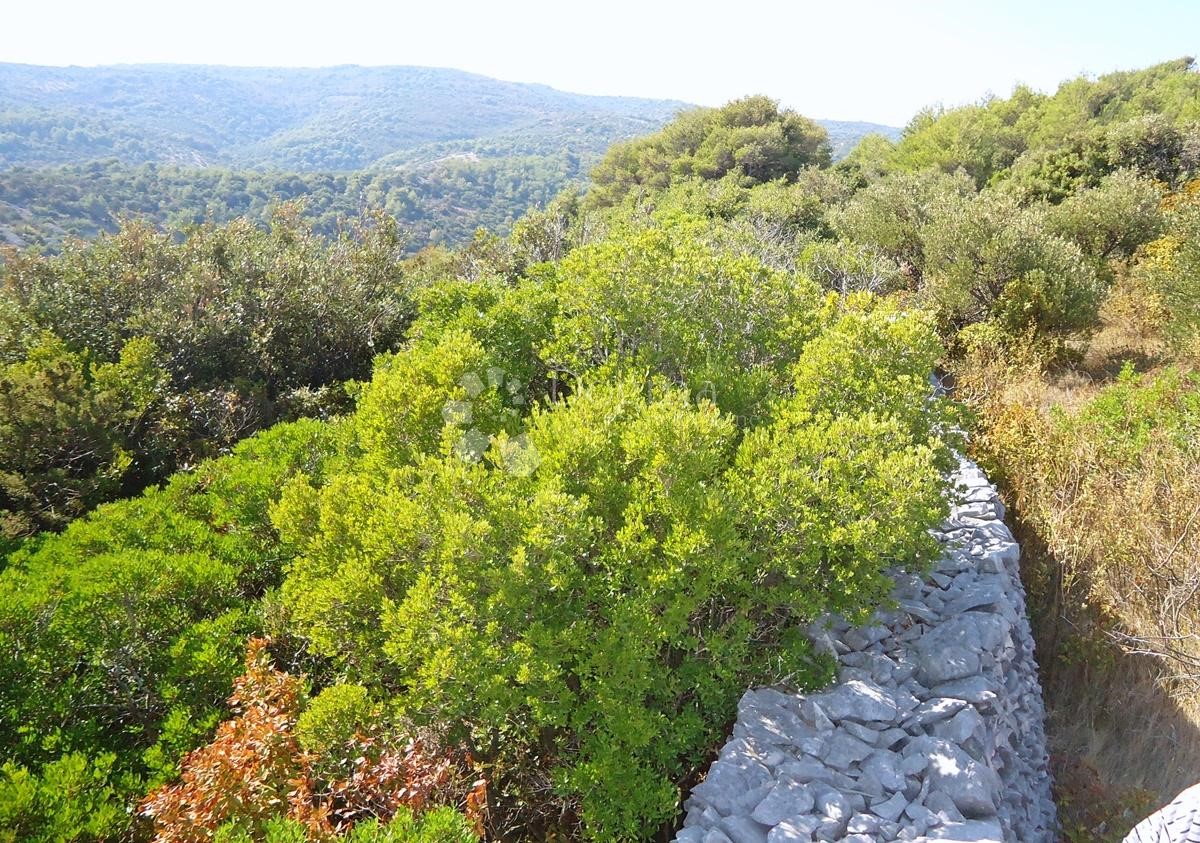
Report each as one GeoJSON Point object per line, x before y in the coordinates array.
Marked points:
{"type": "Point", "coordinates": [863, 60]}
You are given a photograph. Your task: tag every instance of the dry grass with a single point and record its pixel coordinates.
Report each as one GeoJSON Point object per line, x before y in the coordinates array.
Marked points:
{"type": "Point", "coordinates": [1113, 571]}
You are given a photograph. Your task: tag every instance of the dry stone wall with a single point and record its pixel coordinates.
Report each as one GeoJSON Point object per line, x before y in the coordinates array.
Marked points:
{"type": "Point", "coordinates": [934, 730]}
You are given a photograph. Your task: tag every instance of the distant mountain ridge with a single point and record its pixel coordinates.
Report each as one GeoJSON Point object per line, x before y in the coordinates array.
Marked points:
{"type": "Point", "coordinates": [338, 118]}
{"type": "Point", "coordinates": [844, 135]}
{"type": "Point", "coordinates": [305, 119]}
{"type": "Point", "coordinates": [443, 150]}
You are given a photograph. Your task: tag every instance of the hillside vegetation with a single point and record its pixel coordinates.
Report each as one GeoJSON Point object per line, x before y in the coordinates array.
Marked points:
{"type": "Point", "coordinates": [538, 510]}
{"type": "Point", "coordinates": [526, 576]}
{"type": "Point", "coordinates": [443, 201]}
{"type": "Point", "coordinates": [444, 152]}
{"type": "Point", "coordinates": [341, 118]}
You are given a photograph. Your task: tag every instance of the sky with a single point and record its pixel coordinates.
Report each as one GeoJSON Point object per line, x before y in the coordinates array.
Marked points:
{"type": "Point", "coordinates": [848, 60]}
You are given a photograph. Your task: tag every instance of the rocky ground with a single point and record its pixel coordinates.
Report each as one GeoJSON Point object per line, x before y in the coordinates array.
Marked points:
{"type": "Point", "coordinates": [934, 730]}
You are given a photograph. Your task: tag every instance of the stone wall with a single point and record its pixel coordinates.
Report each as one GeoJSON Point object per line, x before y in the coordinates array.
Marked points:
{"type": "Point", "coordinates": [934, 730]}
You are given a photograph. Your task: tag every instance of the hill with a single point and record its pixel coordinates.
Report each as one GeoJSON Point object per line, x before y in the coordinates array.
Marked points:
{"type": "Point", "coordinates": [503, 533]}
{"type": "Point", "coordinates": [442, 150]}
{"type": "Point", "coordinates": [844, 135]}
{"type": "Point", "coordinates": [304, 119]}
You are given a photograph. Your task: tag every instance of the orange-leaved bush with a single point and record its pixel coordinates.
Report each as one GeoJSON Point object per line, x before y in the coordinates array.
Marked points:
{"type": "Point", "coordinates": [256, 772]}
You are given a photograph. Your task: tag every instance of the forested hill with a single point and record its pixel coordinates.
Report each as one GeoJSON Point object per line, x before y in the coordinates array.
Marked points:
{"type": "Point", "coordinates": [301, 533]}
{"type": "Point", "coordinates": [443, 151]}
{"type": "Point", "coordinates": [305, 119]}
{"type": "Point", "coordinates": [844, 135]}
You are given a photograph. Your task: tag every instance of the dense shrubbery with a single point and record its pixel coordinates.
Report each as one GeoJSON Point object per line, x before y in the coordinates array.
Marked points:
{"type": "Point", "coordinates": [604, 576]}
{"type": "Point", "coordinates": [71, 428]}
{"type": "Point", "coordinates": [750, 137]}
{"type": "Point", "coordinates": [120, 636]}
{"type": "Point", "coordinates": [128, 357]}
{"type": "Point", "coordinates": [582, 508]}
{"type": "Point", "coordinates": [603, 470]}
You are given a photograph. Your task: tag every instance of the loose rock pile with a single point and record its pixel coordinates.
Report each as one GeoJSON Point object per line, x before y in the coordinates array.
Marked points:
{"type": "Point", "coordinates": [934, 731]}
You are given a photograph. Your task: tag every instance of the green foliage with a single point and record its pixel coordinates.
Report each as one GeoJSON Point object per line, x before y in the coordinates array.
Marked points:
{"type": "Point", "coordinates": [846, 267]}
{"type": "Point", "coordinates": [751, 137]}
{"type": "Point", "coordinates": [1112, 219]}
{"type": "Point", "coordinates": [73, 800]}
{"type": "Point", "coordinates": [450, 380]}
{"type": "Point", "coordinates": [281, 308]}
{"type": "Point", "coordinates": [441, 825]}
{"type": "Point", "coordinates": [978, 140]}
{"type": "Point", "coordinates": [658, 299]}
{"type": "Point", "coordinates": [1134, 412]}
{"type": "Point", "coordinates": [72, 429]}
{"type": "Point", "coordinates": [1169, 89]}
{"type": "Point", "coordinates": [1148, 145]}
{"type": "Point", "coordinates": [513, 321]}
{"type": "Point", "coordinates": [584, 599]}
{"type": "Point", "coordinates": [332, 717]}
{"type": "Point", "coordinates": [869, 160]}
{"type": "Point", "coordinates": [858, 443]}
{"type": "Point", "coordinates": [1051, 145]}
{"type": "Point", "coordinates": [120, 637]}
{"type": "Point", "coordinates": [770, 222]}
{"type": "Point", "coordinates": [139, 353]}
{"type": "Point", "coordinates": [871, 358]}
{"type": "Point", "coordinates": [891, 214]}
{"type": "Point", "coordinates": [991, 260]}
{"type": "Point", "coordinates": [532, 636]}
{"type": "Point", "coordinates": [438, 202]}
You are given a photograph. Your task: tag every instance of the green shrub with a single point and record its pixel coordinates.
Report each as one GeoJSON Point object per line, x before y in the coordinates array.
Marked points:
{"type": "Point", "coordinates": [890, 215]}
{"type": "Point", "coordinates": [74, 799]}
{"type": "Point", "coordinates": [872, 358]}
{"type": "Point", "coordinates": [120, 637]}
{"type": "Point", "coordinates": [512, 321]}
{"type": "Point", "coordinates": [586, 616]}
{"type": "Point", "coordinates": [978, 140]}
{"type": "Point", "coordinates": [333, 716]}
{"type": "Point", "coordinates": [660, 300]}
{"type": "Point", "coordinates": [75, 431]}
{"type": "Point", "coordinates": [989, 259]}
{"type": "Point", "coordinates": [1112, 219]}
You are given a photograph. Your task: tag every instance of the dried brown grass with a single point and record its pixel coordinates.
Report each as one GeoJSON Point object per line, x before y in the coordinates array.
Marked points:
{"type": "Point", "coordinates": [1113, 570]}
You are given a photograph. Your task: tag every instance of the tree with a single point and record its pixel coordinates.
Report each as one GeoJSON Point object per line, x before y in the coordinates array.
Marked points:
{"type": "Point", "coordinates": [751, 137]}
